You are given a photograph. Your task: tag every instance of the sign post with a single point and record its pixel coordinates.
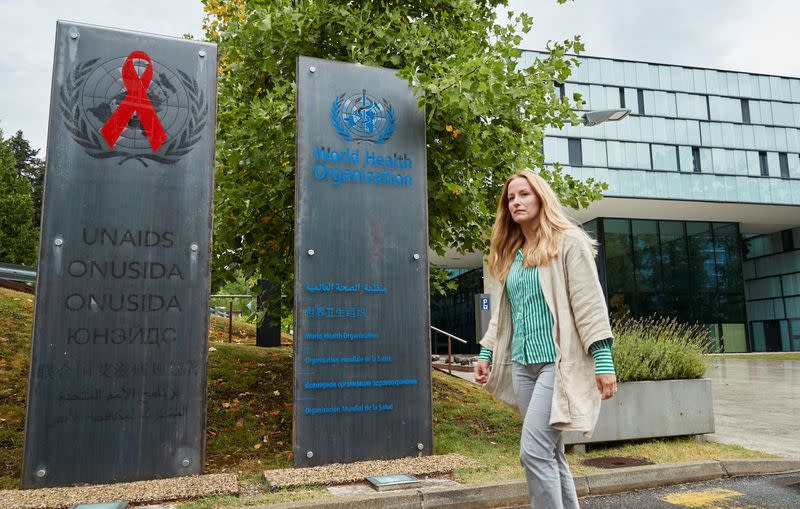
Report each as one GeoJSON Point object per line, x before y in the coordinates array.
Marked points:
{"type": "Point", "coordinates": [362, 339]}
{"type": "Point", "coordinates": [117, 386]}
{"type": "Point", "coordinates": [483, 314]}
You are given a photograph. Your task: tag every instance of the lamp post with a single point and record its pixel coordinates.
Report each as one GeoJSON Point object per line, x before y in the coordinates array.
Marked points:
{"type": "Point", "coordinates": [592, 118]}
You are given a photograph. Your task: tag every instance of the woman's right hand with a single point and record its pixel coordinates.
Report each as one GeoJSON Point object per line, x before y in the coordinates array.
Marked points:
{"type": "Point", "coordinates": [481, 371]}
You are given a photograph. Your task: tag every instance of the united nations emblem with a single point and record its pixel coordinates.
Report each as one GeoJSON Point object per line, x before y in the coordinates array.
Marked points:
{"type": "Point", "coordinates": [133, 108]}
{"type": "Point", "coordinates": [362, 117]}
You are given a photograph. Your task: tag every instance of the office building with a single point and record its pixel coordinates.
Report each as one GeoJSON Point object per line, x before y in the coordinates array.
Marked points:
{"type": "Point", "coordinates": [701, 219]}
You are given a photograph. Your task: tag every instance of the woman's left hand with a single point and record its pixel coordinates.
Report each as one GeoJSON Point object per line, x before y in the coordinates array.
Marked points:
{"type": "Point", "coordinates": [606, 385]}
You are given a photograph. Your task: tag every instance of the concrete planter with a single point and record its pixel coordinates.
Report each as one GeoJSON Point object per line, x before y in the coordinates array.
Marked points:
{"type": "Point", "coordinates": [663, 408]}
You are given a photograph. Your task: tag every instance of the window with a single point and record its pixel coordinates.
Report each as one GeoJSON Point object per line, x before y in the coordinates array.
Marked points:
{"type": "Point", "coordinates": [664, 157]}
{"type": "Point", "coordinates": [787, 240]}
{"type": "Point", "coordinates": [674, 256]}
{"type": "Point", "coordinates": [619, 258]}
{"type": "Point", "coordinates": [762, 163]}
{"type": "Point", "coordinates": [691, 106]}
{"type": "Point", "coordinates": [560, 90]}
{"type": "Point", "coordinates": [631, 100]}
{"type": "Point", "coordinates": [575, 152]}
{"type": "Point", "coordinates": [685, 159]}
{"type": "Point", "coordinates": [745, 111]}
{"type": "Point", "coordinates": [689, 270]}
{"type": "Point", "coordinates": [593, 153]}
{"type": "Point", "coordinates": [640, 97]}
{"type": "Point", "coordinates": [784, 160]}
{"type": "Point", "coordinates": [725, 109]}
{"type": "Point", "coordinates": [571, 89]}
{"type": "Point", "coordinates": [664, 104]}
{"type": "Point", "coordinates": [646, 256]}
{"type": "Point", "coordinates": [782, 114]}
{"type": "Point", "coordinates": [696, 159]}
{"type": "Point", "coordinates": [621, 97]}
{"type": "Point", "coordinates": [555, 150]}
{"type": "Point", "coordinates": [763, 245]}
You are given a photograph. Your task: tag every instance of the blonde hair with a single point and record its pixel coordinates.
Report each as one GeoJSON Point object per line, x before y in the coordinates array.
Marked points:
{"type": "Point", "coordinates": [507, 236]}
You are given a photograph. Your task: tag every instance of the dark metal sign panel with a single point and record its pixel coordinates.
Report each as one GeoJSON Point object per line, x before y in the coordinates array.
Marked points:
{"type": "Point", "coordinates": [118, 364]}
{"type": "Point", "coordinates": [362, 350]}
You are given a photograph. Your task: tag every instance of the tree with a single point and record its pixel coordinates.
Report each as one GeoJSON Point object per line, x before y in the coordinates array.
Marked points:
{"type": "Point", "coordinates": [18, 237]}
{"type": "Point", "coordinates": [485, 114]}
{"type": "Point", "coordinates": [32, 168]}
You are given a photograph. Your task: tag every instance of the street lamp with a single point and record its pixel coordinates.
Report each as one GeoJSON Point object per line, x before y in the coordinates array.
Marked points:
{"type": "Point", "coordinates": [592, 118]}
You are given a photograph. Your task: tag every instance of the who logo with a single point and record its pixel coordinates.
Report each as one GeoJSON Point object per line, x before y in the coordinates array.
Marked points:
{"type": "Point", "coordinates": [363, 117]}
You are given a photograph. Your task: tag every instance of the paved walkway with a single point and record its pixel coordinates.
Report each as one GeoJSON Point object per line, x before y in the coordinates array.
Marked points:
{"type": "Point", "coordinates": [757, 404]}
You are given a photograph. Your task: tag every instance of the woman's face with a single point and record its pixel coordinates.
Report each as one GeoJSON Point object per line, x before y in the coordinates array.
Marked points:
{"type": "Point", "coordinates": [523, 204]}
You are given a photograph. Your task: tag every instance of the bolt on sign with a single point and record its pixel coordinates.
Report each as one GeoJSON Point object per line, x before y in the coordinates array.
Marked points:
{"type": "Point", "coordinates": [362, 385]}
{"type": "Point", "coordinates": [118, 366]}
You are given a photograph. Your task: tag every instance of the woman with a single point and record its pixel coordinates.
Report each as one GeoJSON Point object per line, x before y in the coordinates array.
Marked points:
{"type": "Point", "coordinates": [549, 338]}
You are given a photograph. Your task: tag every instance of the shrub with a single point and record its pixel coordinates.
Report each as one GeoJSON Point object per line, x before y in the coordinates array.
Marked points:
{"type": "Point", "coordinates": [658, 348]}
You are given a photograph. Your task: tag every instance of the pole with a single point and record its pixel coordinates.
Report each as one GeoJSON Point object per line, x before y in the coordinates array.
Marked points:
{"type": "Point", "coordinates": [449, 355]}
{"type": "Point", "coordinates": [230, 322]}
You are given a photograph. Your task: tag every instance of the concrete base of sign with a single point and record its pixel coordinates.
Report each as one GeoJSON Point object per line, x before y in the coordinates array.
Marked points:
{"type": "Point", "coordinates": [663, 408]}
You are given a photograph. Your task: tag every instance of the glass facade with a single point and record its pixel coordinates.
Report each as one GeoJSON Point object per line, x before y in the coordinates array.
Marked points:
{"type": "Point", "coordinates": [699, 143]}
{"type": "Point", "coordinates": [742, 128]}
{"type": "Point", "coordinates": [454, 312]}
{"type": "Point", "coordinates": [772, 289]}
{"type": "Point", "coordinates": [691, 271]}
{"type": "Point", "coordinates": [694, 135]}
{"type": "Point", "coordinates": [708, 139]}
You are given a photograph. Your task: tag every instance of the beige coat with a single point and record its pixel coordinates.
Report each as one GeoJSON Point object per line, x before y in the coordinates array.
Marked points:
{"type": "Point", "coordinates": [572, 291]}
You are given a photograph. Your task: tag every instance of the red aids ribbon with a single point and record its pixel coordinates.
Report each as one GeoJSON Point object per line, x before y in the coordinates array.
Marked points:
{"type": "Point", "coordinates": [136, 101]}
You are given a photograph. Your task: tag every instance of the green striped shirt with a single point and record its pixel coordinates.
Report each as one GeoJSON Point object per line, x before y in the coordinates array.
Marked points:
{"type": "Point", "coordinates": [533, 323]}
{"type": "Point", "coordinates": [600, 350]}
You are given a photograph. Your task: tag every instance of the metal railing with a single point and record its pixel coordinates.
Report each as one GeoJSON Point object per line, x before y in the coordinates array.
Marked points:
{"type": "Point", "coordinates": [230, 310]}
{"type": "Point", "coordinates": [19, 273]}
{"type": "Point", "coordinates": [450, 338]}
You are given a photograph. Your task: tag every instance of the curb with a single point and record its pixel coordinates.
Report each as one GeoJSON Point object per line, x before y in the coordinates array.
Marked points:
{"type": "Point", "coordinates": [514, 493]}
{"type": "Point", "coordinates": [651, 476]}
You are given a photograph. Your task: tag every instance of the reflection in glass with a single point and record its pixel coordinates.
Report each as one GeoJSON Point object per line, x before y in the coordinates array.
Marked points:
{"type": "Point", "coordinates": [646, 255]}
{"type": "Point", "coordinates": [688, 270]}
{"type": "Point", "coordinates": [619, 263]}
{"type": "Point", "coordinates": [728, 260]}
{"type": "Point", "coordinates": [701, 256]}
{"type": "Point", "coordinates": [454, 311]}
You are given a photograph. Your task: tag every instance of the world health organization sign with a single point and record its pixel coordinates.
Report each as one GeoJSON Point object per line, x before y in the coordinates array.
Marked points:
{"type": "Point", "coordinates": [362, 349]}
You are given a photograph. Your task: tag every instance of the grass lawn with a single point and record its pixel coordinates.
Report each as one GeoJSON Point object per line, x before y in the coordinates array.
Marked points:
{"type": "Point", "coordinates": [250, 414]}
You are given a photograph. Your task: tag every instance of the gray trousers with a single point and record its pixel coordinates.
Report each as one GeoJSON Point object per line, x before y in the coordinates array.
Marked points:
{"type": "Point", "coordinates": [541, 449]}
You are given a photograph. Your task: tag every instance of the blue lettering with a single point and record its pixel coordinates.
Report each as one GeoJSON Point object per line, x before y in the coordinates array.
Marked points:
{"type": "Point", "coordinates": [326, 155]}
{"type": "Point", "coordinates": [317, 411]}
{"type": "Point", "coordinates": [338, 176]}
